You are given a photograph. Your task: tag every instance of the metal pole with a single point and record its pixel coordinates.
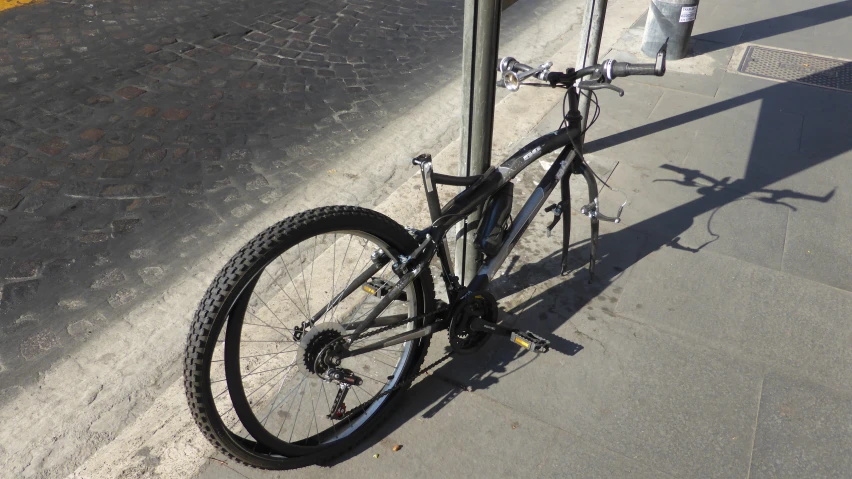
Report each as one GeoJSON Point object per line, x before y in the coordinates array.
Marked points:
{"type": "Point", "coordinates": [479, 67]}
{"type": "Point", "coordinates": [590, 45]}
{"type": "Point", "coordinates": [669, 22]}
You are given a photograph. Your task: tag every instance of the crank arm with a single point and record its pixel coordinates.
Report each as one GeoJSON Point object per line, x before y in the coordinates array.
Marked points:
{"type": "Point", "coordinates": [480, 325]}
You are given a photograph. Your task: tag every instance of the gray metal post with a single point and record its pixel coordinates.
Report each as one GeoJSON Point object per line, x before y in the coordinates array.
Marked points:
{"type": "Point", "coordinates": [479, 67]}
{"type": "Point", "coordinates": [670, 20]}
{"type": "Point", "coordinates": [590, 44]}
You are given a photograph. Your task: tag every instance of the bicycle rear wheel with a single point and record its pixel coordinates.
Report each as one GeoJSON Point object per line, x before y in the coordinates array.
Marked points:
{"type": "Point", "coordinates": [263, 372]}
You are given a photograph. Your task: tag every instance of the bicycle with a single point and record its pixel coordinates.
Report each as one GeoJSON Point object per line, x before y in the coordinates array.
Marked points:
{"type": "Point", "coordinates": [351, 356]}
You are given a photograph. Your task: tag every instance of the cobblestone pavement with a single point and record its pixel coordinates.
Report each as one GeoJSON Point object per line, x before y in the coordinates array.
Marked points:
{"type": "Point", "coordinates": [128, 129]}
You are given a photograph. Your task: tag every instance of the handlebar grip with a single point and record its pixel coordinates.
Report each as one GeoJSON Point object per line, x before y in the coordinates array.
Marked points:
{"type": "Point", "coordinates": [626, 69]}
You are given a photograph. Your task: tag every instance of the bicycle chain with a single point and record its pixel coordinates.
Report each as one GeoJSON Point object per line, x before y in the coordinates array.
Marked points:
{"type": "Point", "coordinates": [408, 381]}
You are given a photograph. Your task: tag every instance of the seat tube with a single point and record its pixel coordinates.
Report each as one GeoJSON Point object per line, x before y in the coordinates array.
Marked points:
{"type": "Point", "coordinates": [434, 204]}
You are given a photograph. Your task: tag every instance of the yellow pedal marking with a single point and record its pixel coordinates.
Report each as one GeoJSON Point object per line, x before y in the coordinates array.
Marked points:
{"type": "Point", "coordinates": [10, 4]}
{"type": "Point", "coordinates": [522, 342]}
{"type": "Point", "coordinates": [369, 289]}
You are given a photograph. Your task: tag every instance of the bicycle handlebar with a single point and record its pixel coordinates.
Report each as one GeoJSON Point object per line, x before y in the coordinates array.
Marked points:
{"type": "Point", "coordinates": [514, 72]}
{"type": "Point", "coordinates": [626, 69]}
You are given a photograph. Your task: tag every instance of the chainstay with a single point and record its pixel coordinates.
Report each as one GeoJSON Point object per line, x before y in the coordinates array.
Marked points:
{"type": "Point", "coordinates": [403, 323]}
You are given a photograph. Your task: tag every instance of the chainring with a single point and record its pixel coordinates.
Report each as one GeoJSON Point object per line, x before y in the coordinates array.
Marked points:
{"type": "Point", "coordinates": [313, 342]}
{"type": "Point", "coordinates": [462, 339]}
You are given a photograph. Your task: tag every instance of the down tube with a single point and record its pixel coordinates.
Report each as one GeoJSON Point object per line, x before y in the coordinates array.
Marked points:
{"type": "Point", "coordinates": [524, 218]}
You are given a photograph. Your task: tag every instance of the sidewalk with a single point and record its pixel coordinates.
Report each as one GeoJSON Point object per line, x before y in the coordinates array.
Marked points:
{"type": "Point", "coordinates": [715, 341]}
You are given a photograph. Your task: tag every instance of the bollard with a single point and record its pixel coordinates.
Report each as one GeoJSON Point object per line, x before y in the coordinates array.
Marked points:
{"type": "Point", "coordinates": [670, 20]}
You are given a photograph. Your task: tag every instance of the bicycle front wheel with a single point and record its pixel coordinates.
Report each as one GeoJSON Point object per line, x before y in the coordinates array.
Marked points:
{"type": "Point", "coordinates": [294, 289]}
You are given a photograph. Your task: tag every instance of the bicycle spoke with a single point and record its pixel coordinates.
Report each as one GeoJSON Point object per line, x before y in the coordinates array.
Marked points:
{"type": "Point", "coordinates": [342, 261]}
{"type": "Point", "coordinates": [311, 285]}
{"type": "Point", "coordinates": [354, 268]}
{"type": "Point", "coordinates": [304, 280]}
{"type": "Point", "coordinates": [382, 362]}
{"type": "Point", "coordinates": [333, 263]}
{"type": "Point", "coordinates": [272, 403]}
{"type": "Point", "coordinates": [278, 330]}
{"type": "Point", "coordinates": [295, 288]}
{"type": "Point", "coordinates": [296, 419]}
{"type": "Point", "coordinates": [315, 421]}
{"type": "Point", "coordinates": [285, 294]}
{"type": "Point", "coordinates": [259, 365]}
{"type": "Point", "coordinates": [287, 414]}
{"type": "Point", "coordinates": [325, 395]}
{"type": "Point", "coordinates": [249, 310]}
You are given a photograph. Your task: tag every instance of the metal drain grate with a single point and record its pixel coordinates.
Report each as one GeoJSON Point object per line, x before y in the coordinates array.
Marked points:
{"type": "Point", "coordinates": [797, 67]}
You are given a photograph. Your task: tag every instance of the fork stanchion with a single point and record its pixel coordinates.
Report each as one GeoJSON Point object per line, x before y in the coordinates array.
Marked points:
{"type": "Point", "coordinates": [479, 67]}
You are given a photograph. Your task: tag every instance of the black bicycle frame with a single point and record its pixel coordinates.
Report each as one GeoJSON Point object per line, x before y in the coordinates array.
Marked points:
{"type": "Point", "coordinates": [478, 190]}
{"type": "Point", "coordinates": [482, 187]}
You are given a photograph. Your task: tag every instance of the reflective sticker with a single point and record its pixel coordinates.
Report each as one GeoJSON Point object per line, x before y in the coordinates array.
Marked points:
{"type": "Point", "coordinates": [532, 153]}
{"type": "Point", "coordinates": [688, 14]}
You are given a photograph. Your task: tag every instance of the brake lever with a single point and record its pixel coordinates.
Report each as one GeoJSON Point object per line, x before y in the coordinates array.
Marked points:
{"type": "Point", "coordinates": [595, 85]}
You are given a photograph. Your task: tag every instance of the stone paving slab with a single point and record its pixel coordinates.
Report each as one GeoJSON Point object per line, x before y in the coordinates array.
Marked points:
{"type": "Point", "coordinates": [444, 432]}
{"type": "Point", "coordinates": [778, 318]}
{"type": "Point", "coordinates": [577, 458]}
{"type": "Point", "coordinates": [803, 430]}
{"type": "Point", "coordinates": [817, 248]}
{"type": "Point", "coordinates": [665, 410]}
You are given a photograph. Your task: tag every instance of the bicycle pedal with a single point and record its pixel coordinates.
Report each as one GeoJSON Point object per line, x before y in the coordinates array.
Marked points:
{"type": "Point", "coordinates": [379, 287]}
{"type": "Point", "coordinates": [530, 341]}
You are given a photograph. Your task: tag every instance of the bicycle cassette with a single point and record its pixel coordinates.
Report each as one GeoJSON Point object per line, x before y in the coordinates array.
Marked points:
{"type": "Point", "coordinates": [312, 344]}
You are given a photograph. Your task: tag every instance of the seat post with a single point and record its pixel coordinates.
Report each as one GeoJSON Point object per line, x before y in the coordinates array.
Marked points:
{"type": "Point", "coordinates": [432, 201]}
